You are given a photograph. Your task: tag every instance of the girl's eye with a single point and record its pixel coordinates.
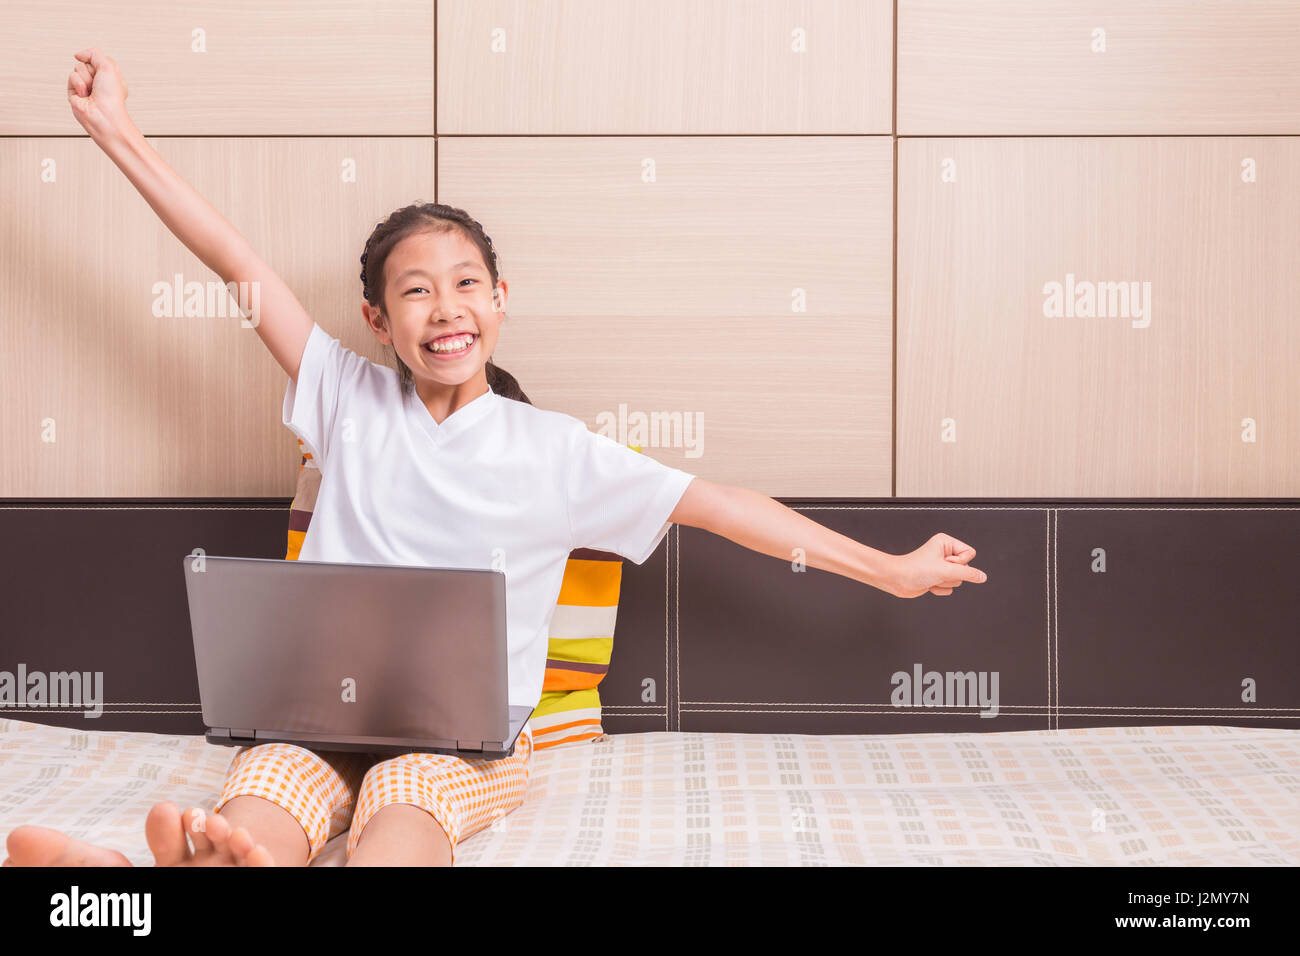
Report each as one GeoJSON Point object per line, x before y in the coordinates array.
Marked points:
{"type": "Point", "coordinates": [419, 288]}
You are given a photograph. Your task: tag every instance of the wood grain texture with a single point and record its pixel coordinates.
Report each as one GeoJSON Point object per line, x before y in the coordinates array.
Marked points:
{"type": "Point", "coordinates": [159, 406]}
{"type": "Point", "coordinates": [1027, 67]}
{"type": "Point", "coordinates": [270, 67]}
{"type": "Point", "coordinates": [677, 294]}
{"type": "Point", "coordinates": [1075, 406]}
{"type": "Point", "coordinates": [671, 66]}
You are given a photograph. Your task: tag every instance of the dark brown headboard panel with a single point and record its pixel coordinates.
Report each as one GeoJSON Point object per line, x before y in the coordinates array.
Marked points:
{"type": "Point", "coordinates": [1194, 615]}
{"type": "Point", "coordinates": [98, 586]}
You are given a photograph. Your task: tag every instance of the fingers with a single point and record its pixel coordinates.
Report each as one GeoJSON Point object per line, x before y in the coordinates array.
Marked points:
{"type": "Point", "coordinates": [954, 575]}
{"type": "Point", "coordinates": [81, 79]}
{"type": "Point", "coordinates": [93, 58]}
{"type": "Point", "coordinates": [952, 548]}
{"type": "Point", "coordinates": [972, 574]}
{"type": "Point", "coordinates": [959, 550]}
{"type": "Point", "coordinates": [957, 574]}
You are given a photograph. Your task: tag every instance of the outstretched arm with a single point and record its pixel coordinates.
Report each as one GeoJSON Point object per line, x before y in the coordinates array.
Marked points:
{"type": "Point", "coordinates": [762, 524]}
{"type": "Point", "coordinates": [97, 93]}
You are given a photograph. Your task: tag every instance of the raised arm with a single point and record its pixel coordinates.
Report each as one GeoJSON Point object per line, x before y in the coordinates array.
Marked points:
{"type": "Point", "coordinates": [97, 93]}
{"type": "Point", "coordinates": [760, 523]}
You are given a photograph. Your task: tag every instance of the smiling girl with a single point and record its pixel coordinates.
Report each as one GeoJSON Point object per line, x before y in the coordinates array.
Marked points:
{"type": "Point", "coordinates": [443, 462]}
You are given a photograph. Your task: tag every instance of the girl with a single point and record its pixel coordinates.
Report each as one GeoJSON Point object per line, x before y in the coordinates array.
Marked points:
{"type": "Point", "coordinates": [442, 463]}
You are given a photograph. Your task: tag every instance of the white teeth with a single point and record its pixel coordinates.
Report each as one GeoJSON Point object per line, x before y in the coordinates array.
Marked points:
{"type": "Point", "coordinates": [457, 344]}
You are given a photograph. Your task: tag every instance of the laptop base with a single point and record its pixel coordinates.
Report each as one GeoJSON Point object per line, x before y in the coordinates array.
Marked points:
{"type": "Point", "coordinates": [468, 750]}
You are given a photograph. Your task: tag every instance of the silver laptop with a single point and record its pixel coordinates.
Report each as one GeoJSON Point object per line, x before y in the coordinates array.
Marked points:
{"type": "Point", "coordinates": [376, 658]}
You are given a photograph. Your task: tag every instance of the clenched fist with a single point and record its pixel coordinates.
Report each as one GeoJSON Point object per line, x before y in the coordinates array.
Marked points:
{"type": "Point", "coordinates": [937, 566]}
{"type": "Point", "coordinates": [97, 93]}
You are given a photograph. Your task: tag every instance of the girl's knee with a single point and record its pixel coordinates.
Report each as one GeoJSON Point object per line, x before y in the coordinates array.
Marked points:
{"type": "Point", "coordinates": [409, 764]}
{"type": "Point", "coordinates": [318, 790]}
{"type": "Point", "coordinates": [272, 752]}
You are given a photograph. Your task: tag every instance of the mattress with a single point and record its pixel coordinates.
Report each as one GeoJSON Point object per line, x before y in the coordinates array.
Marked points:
{"type": "Point", "coordinates": [1166, 795]}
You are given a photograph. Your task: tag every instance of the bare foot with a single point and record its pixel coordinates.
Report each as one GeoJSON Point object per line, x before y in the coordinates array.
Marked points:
{"type": "Point", "coordinates": [214, 842]}
{"type": "Point", "coordinates": [165, 828]}
{"type": "Point", "coordinates": [41, 846]}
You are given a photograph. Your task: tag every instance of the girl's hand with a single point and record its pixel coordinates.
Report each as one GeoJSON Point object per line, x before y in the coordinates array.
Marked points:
{"type": "Point", "coordinates": [97, 93]}
{"type": "Point", "coordinates": [937, 566]}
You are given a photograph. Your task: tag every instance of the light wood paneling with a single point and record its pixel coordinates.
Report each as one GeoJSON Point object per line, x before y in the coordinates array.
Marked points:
{"type": "Point", "coordinates": [1096, 406]}
{"type": "Point", "coordinates": [270, 67]}
{"type": "Point", "coordinates": [1028, 67]}
{"type": "Point", "coordinates": [678, 294]}
{"type": "Point", "coordinates": [157, 406]}
{"type": "Point", "coordinates": [672, 66]}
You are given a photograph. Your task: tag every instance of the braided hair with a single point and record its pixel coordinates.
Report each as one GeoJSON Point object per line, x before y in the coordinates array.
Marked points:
{"type": "Point", "coordinates": [418, 217]}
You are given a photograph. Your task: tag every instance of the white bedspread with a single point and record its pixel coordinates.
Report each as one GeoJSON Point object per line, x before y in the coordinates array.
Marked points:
{"type": "Point", "coordinates": [1141, 795]}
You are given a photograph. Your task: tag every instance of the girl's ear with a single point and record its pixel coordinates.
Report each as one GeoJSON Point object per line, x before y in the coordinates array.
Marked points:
{"type": "Point", "coordinates": [374, 317]}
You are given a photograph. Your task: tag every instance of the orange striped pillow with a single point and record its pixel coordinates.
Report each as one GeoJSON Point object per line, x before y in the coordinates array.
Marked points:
{"type": "Point", "coordinates": [578, 651]}
{"type": "Point", "coordinates": [581, 635]}
{"type": "Point", "coordinates": [303, 504]}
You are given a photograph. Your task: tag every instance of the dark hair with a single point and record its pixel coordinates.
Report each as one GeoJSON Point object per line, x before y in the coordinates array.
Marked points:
{"type": "Point", "coordinates": [435, 217]}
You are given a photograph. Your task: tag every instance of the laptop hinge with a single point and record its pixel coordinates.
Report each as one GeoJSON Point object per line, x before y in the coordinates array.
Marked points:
{"type": "Point", "coordinates": [469, 745]}
{"type": "Point", "coordinates": [248, 736]}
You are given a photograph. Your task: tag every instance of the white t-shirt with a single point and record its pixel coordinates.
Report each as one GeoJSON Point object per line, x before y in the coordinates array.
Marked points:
{"type": "Point", "coordinates": [499, 483]}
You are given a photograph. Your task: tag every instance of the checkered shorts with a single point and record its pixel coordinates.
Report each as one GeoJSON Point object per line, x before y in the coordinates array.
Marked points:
{"type": "Point", "coordinates": [329, 790]}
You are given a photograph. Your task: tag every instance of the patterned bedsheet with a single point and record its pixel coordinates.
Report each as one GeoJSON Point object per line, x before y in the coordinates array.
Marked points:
{"type": "Point", "coordinates": [1105, 796]}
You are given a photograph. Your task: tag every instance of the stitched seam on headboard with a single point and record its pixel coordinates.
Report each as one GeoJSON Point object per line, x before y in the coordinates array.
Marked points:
{"type": "Point", "coordinates": [668, 679]}
{"type": "Point", "coordinates": [677, 607]}
{"type": "Point", "coordinates": [1054, 621]}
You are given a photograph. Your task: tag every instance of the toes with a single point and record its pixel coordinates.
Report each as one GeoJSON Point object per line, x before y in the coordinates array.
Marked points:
{"type": "Point", "coordinates": [240, 844]}
{"type": "Point", "coordinates": [218, 829]}
{"type": "Point", "coordinates": [166, 835]}
{"type": "Point", "coordinates": [218, 836]}
{"type": "Point", "coordinates": [259, 856]}
{"type": "Point", "coordinates": [246, 852]}
{"type": "Point", "coordinates": [195, 822]}
{"type": "Point", "coordinates": [36, 846]}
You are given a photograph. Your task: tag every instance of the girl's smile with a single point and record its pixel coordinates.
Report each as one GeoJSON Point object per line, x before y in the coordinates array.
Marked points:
{"type": "Point", "coordinates": [451, 346]}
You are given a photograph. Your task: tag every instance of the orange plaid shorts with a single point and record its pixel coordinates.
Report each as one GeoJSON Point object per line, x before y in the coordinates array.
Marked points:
{"type": "Point", "coordinates": [330, 790]}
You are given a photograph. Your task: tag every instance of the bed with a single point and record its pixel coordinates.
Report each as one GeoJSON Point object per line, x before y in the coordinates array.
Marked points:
{"type": "Point", "coordinates": [1145, 716]}
{"type": "Point", "coordinates": [1153, 796]}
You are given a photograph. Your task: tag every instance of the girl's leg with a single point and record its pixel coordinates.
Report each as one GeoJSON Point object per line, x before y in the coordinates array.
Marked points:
{"type": "Point", "coordinates": [218, 840]}
{"type": "Point", "coordinates": [279, 806]}
{"type": "Point", "coordinates": [291, 800]}
{"type": "Point", "coordinates": [270, 826]}
{"type": "Point", "coordinates": [402, 835]}
{"type": "Point", "coordinates": [414, 809]}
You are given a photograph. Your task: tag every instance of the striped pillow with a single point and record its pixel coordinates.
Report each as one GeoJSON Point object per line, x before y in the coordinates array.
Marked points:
{"type": "Point", "coordinates": [304, 502]}
{"type": "Point", "coordinates": [582, 629]}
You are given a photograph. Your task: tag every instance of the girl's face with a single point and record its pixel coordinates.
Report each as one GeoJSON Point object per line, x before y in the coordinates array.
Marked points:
{"type": "Point", "coordinates": [437, 290]}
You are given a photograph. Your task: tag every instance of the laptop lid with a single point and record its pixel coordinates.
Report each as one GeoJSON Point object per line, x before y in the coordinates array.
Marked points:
{"type": "Point", "coordinates": [359, 656]}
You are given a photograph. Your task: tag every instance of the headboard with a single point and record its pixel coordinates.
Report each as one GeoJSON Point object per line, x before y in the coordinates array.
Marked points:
{"type": "Point", "coordinates": [1095, 612]}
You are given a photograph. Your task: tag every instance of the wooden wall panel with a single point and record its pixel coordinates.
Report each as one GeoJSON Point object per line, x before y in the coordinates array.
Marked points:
{"type": "Point", "coordinates": [1029, 67]}
{"type": "Point", "coordinates": [1076, 406]}
{"type": "Point", "coordinates": [672, 66]}
{"type": "Point", "coordinates": [158, 406]}
{"type": "Point", "coordinates": [680, 294]}
{"type": "Point", "coordinates": [268, 67]}
{"type": "Point", "coordinates": [675, 291]}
